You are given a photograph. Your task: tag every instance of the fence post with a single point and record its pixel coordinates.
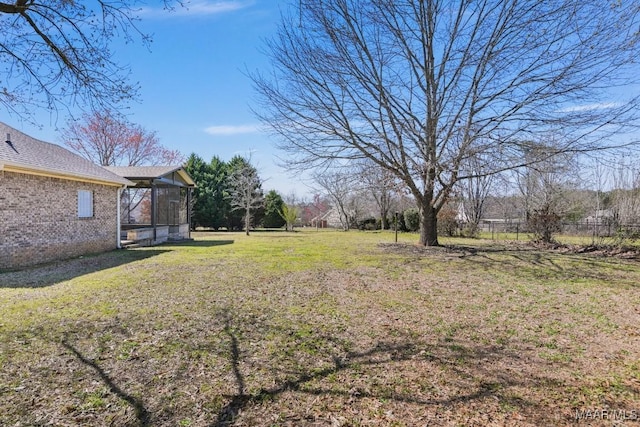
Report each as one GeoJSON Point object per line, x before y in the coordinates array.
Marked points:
{"type": "Point", "coordinates": [396, 221]}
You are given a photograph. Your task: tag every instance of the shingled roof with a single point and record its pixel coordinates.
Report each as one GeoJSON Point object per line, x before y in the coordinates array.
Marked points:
{"type": "Point", "coordinates": [163, 173]}
{"type": "Point", "coordinates": [21, 153]}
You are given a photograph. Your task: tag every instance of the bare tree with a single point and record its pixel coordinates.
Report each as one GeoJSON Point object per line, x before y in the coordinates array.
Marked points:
{"type": "Point", "coordinates": [245, 188]}
{"type": "Point", "coordinates": [382, 185]}
{"type": "Point", "coordinates": [419, 87]}
{"type": "Point", "coordinates": [474, 191]}
{"type": "Point", "coordinates": [545, 185]}
{"type": "Point", "coordinates": [597, 172]}
{"type": "Point", "coordinates": [359, 207]}
{"type": "Point", "coordinates": [291, 198]}
{"type": "Point", "coordinates": [108, 140]}
{"type": "Point", "coordinates": [626, 194]}
{"type": "Point", "coordinates": [338, 185]}
{"type": "Point", "coordinates": [57, 53]}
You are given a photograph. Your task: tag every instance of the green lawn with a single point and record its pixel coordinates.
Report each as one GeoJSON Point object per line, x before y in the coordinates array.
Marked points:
{"type": "Point", "coordinates": [322, 328]}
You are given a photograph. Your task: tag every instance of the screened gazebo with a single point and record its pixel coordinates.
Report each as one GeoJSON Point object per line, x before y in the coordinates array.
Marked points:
{"type": "Point", "coordinates": [158, 207]}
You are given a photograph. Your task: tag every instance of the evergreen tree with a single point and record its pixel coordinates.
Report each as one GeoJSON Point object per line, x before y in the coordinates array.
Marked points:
{"type": "Point", "coordinates": [219, 193]}
{"type": "Point", "coordinates": [202, 201]}
{"type": "Point", "coordinates": [273, 205]}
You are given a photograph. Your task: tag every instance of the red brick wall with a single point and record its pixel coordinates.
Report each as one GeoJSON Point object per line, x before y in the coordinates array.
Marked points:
{"type": "Point", "coordinates": [39, 220]}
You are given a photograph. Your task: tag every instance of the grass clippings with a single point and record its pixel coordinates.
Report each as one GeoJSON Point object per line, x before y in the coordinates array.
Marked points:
{"type": "Point", "coordinates": [322, 328]}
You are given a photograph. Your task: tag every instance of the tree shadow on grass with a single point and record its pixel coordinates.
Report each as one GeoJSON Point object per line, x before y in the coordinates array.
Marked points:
{"type": "Point", "coordinates": [472, 363]}
{"type": "Point", "coordinates": [142, 414]}
{"type": "Point", "coordinates": [526, 261]}
{"type": "Point", "coordinates": [559, 266]}
{"type": "Point", "coordinates": [52, 273]}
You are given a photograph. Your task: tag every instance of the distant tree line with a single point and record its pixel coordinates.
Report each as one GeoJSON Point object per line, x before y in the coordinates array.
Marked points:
{"type": "Point", "coordinates": [550, 196]}
{"type": "Point", "coordinates": [229, 195]}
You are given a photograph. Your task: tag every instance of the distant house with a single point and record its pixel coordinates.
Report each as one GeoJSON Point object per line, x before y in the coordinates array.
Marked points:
{"type": "Point", "coordinates": [461, 214]}
{"type": "Point", "coordinates": [54, 204]}
{"type": "Point", "coordinates": [599, 217]}
{"type": "Point", "coordinates": [328, 219]}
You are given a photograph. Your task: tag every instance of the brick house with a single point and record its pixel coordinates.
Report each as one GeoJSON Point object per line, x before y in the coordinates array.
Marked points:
{"type": "Point", "coordinates": [54, 204]}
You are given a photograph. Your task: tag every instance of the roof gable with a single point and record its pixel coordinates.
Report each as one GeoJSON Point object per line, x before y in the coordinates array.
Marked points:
{"type": "Point", "coordinates": [25, 154]}
{"type": "Point", "coordinates": [173, 175]}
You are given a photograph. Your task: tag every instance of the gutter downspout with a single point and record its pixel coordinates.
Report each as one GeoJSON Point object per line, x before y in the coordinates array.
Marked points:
{"type": "Point", "coordinates": [154, 201]}
{"type": "Point", "coordinates": [189, 196]}
{"type": "Point", "coordinates": [119, 220]}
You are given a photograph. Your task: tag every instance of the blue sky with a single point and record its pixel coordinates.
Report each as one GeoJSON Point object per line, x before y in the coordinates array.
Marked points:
{"type": "Point", "coordinates": [194, 89]}
{"type": "Point", "coordinates": [195, 93]}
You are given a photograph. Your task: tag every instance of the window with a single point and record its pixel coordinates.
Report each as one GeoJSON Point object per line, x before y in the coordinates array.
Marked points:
{"type": "Point", "coordinates": [85, 204]}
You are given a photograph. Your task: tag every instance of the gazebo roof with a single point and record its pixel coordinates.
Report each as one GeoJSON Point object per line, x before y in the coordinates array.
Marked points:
{"type": "Point", "coordinates": [170, 175]}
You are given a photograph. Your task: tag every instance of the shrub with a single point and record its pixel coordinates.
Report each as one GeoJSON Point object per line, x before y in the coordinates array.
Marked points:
{"type": "Point", "coordinates": [368, 224]}
{"type": "Point", "coordinates": [470, 230]}
{"type": "Point", "coordinates": [388, 223]}
{"type": "Point", "coordinates": [401, 225]}
{"type": "Point", "coordinates": [543, 223]}
{"type": "Point", "coordinates": [411, 220]}
{"type": "Point", "coordinates": [447, 223]}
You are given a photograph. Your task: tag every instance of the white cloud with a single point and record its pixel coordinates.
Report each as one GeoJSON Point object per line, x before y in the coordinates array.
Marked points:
{"type": "Point", "coordinates": [199, 8]}
{"type": "Point", "coordinates": [590, 107]}
{"type": "Point", "coordinates": [231, 130]}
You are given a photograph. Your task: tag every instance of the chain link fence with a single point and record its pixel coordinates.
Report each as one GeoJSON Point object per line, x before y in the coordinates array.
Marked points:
{"type": "Point", "coordinates": [577, 228]}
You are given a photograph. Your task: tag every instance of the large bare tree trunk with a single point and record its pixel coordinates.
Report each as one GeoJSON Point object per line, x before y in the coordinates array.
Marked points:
{"type": "Point", "coordinates": [428, 226]}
